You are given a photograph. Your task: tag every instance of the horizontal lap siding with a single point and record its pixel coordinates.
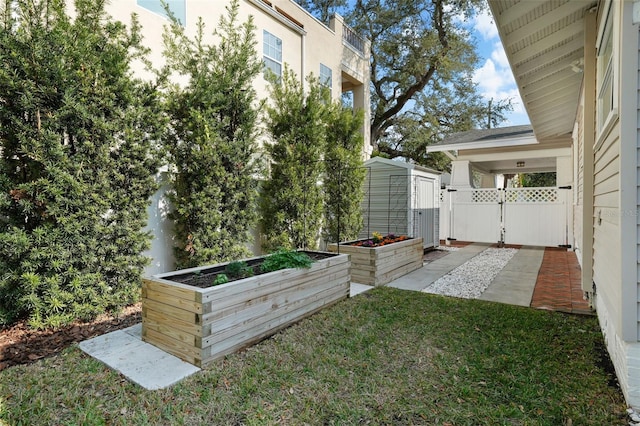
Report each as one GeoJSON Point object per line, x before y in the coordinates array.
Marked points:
{"type": "Point", "coordinates": [606, 233]}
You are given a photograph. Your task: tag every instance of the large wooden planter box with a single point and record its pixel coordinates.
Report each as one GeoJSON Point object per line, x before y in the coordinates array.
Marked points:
{"type": "Point", "coordinates": [200, 325]}
{"type": "Point", "coordinates": [380, 265]}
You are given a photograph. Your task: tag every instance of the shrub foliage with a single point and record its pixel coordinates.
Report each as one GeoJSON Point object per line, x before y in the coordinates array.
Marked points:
{"type": "Point", "coordinates": [213, 140]}
{"type": "Point", "coordinates": [76, 166]}
{"type": "Point", "coordinates": [292, 199]}
{"type": "Point", "coordinates": [344, 175]}
{"type": "Point", "coordinates": [316, 176]}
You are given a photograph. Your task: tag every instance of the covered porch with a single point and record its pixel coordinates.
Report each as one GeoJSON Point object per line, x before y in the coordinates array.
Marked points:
{"type": "Point", "coordinates": [479, 206]}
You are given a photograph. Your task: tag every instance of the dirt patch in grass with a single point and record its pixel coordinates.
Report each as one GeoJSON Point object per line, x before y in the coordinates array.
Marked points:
{"type": "Point", "coordinates": [21, 345]}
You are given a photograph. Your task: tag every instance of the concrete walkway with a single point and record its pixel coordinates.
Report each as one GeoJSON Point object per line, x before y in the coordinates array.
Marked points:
{"type": "Point", "coordinates": [513, 285]}
{"type": "Point", "coordinates": [142, 363]}
{"type": "Point", "coordinates": [425, 276]}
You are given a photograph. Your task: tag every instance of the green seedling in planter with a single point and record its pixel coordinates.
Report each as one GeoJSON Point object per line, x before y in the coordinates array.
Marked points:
{"type": "Point", "coordinates": [283, 259]}
{"type": "Point", "coordinates": [221, 279]}
{"type": "Point", "coordinates": [239, 269]}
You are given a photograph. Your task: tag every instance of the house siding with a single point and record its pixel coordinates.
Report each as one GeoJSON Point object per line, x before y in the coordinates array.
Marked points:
{"type": "Point", "coordinates": [606, 227]}
{"type": "Point", "coordinates": [637, 203]}
{"type": "Point", "coordinates": [617, 298]}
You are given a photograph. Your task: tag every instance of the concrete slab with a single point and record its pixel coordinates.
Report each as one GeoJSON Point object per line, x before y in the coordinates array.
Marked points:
{"type": "Point", "coordinates": [141, 362]}
{"type": "Point", "coordinates": [515, 283]}
{"type": "Point", "coordinates": [358, 288]}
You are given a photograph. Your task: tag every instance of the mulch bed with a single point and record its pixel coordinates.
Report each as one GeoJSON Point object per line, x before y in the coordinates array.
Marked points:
{"type": "Point", "coordinates": [21, 345]}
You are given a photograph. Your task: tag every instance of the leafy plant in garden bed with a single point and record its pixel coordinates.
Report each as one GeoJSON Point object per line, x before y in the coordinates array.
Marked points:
{"type": "Point", "coordinates": [233, 271]}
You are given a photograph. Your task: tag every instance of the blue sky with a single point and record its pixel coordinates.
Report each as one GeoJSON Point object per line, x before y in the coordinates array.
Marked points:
{"type": "Point", "coordinates": [494, 76]}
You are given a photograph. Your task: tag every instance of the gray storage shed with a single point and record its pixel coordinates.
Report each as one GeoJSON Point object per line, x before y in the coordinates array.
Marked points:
{"type": "Point", "coordinates": [401, 198]}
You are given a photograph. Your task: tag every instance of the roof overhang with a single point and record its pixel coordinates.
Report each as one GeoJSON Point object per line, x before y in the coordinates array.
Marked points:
{"type": "Point", "coordinates": [544, 43]}
{"type": "Point", "coordinates": [483, 144]}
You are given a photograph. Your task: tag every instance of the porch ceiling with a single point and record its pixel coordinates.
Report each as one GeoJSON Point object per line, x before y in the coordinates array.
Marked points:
{"type": "Point", "coordinates": [543, 41]}
{"type": "Point", "coordinates": [529, 165]}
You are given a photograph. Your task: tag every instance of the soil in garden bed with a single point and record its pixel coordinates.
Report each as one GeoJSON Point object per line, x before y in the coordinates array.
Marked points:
{"type": "Point", "coordinates": [385, 240]}
{"type": "Point", "coordinates": [206, 277]}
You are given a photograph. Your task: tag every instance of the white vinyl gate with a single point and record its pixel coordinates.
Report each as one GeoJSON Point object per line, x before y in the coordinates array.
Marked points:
{"type": "Point", "coordinates": [528, 216]}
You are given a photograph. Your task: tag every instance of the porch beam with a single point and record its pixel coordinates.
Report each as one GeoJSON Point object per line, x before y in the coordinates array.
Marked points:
{"type": "Point", "coordinates": [516, 155]}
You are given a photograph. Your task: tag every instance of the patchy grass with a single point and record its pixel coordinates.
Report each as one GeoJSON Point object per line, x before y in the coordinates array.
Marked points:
{"type": "Point", "coordinates": [385, 357]}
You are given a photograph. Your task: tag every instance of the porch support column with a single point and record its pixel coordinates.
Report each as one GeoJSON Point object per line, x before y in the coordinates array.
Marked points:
{"type": "Point", "coordinates": [461, 174]}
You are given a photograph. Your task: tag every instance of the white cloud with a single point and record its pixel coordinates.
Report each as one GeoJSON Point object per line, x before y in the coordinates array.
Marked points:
{"type": "Point", "coordinates": [485, 26]}
{"type": "Point", "coordinates": [493, 80]}
{"type": "Point", "coordinates": [497, 83]}
{"type": "Point", "coordinates": [499, 56]}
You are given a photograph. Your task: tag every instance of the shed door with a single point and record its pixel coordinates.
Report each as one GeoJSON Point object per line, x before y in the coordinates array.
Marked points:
{"type": "Point", "coordinates": [424, 212]}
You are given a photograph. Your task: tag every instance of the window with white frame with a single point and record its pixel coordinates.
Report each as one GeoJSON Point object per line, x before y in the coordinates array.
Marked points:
{"type": "Point", "coordinates": [326, 76]}
{"type": "Point", "coordinates": [177, 7]}
{"type": "Point", "coordinates": [272, 53]}
{"type": "Point", "coordinates": [605, 106]}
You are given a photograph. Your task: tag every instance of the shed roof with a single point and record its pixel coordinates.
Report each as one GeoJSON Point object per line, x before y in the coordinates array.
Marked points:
{"type": "Point", "coordinates": [400, 164]}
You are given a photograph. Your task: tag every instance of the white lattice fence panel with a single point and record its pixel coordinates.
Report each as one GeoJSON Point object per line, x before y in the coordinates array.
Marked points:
{"type": "Point", "coordinates": [477, 196]}
{"type": "Point", "coordinates": [531, 195]}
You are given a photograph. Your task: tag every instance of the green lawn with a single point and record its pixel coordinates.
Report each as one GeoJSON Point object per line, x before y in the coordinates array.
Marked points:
{"type": "Point", "coordinates": [385, 357]}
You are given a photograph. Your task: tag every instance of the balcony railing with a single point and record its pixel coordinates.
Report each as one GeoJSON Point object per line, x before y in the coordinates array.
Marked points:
{"type": "Point", "coordinates": [353, 39]}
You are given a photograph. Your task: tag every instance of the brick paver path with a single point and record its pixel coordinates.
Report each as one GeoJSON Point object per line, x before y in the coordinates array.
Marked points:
{"type": "Point", "coordinates": [558, 284]}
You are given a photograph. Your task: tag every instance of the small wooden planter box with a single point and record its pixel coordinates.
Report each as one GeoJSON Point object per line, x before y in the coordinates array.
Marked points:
{"type": "Point", "coordinates": [378, 266]}
{"type": "Point", "coordinates": [200, 325]}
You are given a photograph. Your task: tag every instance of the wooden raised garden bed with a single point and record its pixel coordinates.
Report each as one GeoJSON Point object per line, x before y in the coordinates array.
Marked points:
{"type": "Point", "coordinates": [200, 325]}
{"type": "Point", "coordinates": [378, 266]}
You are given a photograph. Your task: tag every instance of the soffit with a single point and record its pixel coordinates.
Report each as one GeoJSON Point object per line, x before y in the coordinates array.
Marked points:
{"type": "Point", "coordinates": [544, 43]}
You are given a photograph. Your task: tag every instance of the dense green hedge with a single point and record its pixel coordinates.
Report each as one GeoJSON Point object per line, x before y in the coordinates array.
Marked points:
{"type": "Point", "coordinates": [315, 181]}
{"type": "Point", "coordinates": [81, 141]}
{"type": "Point", "coordinates": [213, 140]}
{"type": "Point", "coordinates": [77, 166]}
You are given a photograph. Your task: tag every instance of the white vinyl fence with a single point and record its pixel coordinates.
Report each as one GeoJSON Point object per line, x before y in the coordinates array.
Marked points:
{"type": "Point", "coordinates": [528, 216]}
